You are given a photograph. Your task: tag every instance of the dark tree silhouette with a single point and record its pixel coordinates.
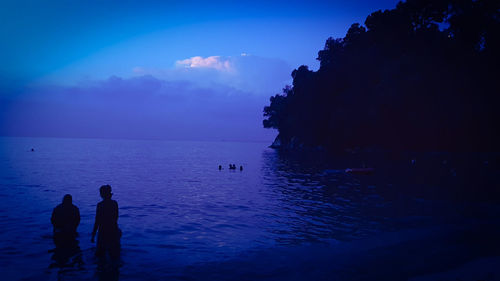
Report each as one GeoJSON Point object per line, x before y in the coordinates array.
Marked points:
{"type": "Point", "coordinates": [421, 76]}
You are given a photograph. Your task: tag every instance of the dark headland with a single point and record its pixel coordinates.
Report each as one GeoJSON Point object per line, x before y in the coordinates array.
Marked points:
{"type": "Point", "coordinates": [420, 77]}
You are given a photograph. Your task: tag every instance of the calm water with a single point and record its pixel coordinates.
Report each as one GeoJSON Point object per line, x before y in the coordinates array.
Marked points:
{"type": "Point", "coordinates": [282, 217]}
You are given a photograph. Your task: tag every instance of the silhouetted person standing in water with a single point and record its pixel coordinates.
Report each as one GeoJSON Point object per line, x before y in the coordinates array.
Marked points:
{"type": "Point", "coordinates": [106, 225]}
{"type": "Point", "coordinates": [65, 218]}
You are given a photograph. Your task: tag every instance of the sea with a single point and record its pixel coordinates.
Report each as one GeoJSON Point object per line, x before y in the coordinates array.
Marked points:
{"type": "Point", "coordinates": [283, 216]}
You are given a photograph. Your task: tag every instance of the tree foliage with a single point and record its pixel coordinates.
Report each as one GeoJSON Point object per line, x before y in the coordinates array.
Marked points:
{"type": "Point", "coordinates": [424, 75]}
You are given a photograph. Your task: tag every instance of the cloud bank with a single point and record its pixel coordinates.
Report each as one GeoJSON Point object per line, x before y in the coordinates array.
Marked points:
{"type": "Point", "coordinates": [214, 98]}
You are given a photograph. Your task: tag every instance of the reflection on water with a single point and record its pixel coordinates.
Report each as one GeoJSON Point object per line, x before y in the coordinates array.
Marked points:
{"type": "Point", "coordinates": [183, 218]}
{"type": "Point", "coordinates": [67, 258]}
{"type": "Point", "coordinates": [67, 253]}
{"type": "Point", "coordinates": [108, 270]}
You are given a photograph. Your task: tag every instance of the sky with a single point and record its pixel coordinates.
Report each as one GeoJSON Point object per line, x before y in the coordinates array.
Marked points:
{"type": "Point", "coordinates": [181, 70]}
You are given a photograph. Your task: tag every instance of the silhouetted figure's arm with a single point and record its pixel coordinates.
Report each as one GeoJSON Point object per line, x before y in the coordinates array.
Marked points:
{"type": "Point", "coordinates": [97, 223]}
{"type": "Point", "coordinates": [115, 213]}
{"type": "Point", "coordinates": [77, 218]}
{"type": "Point", "coordinates": [53, 218]}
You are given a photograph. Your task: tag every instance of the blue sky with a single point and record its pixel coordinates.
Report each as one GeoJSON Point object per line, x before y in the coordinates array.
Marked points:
{"type": "Point", "coordinates": [68, 43]}
{"type": "Point", "coordinates": [41, 37]}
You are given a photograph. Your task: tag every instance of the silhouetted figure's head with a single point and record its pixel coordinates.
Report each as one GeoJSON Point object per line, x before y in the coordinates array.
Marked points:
{"type": "Point", "coordinates": [105, 191]}
{"type": "Point", "coordinates": [67, 199]}
{"type": "Point", "coordinates": [220, 167]}
{"type": "Point", "coordinates": [32, 149]}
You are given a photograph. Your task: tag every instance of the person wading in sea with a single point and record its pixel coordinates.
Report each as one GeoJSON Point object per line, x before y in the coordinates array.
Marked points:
{"type": "Point", "coordinates": [106, 225]}
{"type": "Point", "coordinates": [65, 219]}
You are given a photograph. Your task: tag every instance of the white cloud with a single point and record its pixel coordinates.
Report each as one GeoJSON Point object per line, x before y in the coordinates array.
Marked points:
{"type": "Point", "coordinates": [214, 62]}
{"type": "Point", "coordinates": [245, 72]}
{"type": "Point", "coordinates": [139, 70]}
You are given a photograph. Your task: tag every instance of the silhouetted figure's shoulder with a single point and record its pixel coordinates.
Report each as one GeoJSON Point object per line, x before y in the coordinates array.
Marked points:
{"type": "Point", "coordinates": [109, 202]}
{"type": "Point", "coordinates": [107, 211]}
{"type": "Point", "coordinates": [65, 218]}
{"type": "Point", "coordinates": [107, 205]}
{"type": "Point", "coordinates": [65, 207]}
